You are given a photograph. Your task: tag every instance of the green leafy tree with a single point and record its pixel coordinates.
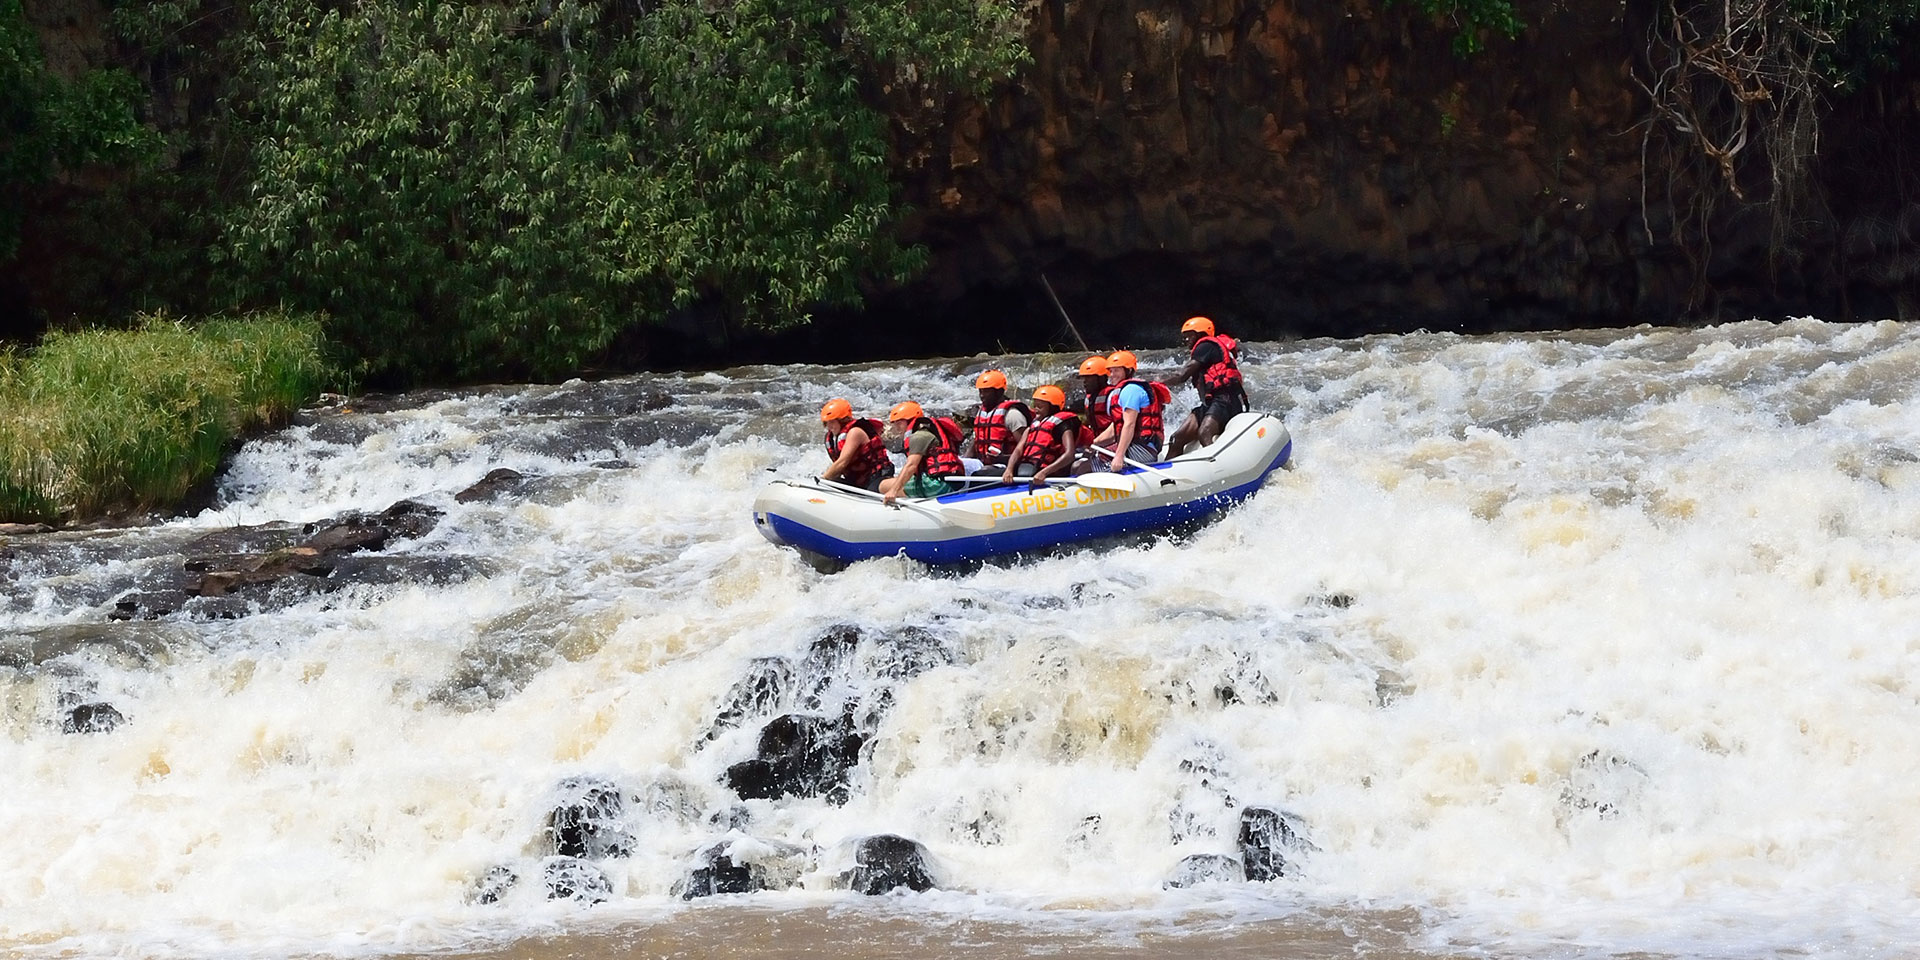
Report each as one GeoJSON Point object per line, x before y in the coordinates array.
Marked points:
{"type": "Point", "coordinates": [490, 188]}
{"type": "Point", "coordinates": [48, 124]}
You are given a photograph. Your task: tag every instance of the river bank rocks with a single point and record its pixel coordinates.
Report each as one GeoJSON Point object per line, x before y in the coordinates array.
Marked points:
{"type": "Point", "coordinates": [244, 570]}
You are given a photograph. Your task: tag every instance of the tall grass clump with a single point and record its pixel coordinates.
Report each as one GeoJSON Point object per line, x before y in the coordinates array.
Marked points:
{"type": "Point", "coordinates": [104, 421]}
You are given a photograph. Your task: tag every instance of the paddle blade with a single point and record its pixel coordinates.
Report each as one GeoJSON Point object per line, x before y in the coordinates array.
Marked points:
{"type": "Point", "coordinates": [968, 519]}
{"type": "Point", "coordinates": [1104, 481]}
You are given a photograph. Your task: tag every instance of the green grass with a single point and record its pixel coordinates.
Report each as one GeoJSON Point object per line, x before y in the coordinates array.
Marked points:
{"type": "Point", "coordinates": [110, 421]}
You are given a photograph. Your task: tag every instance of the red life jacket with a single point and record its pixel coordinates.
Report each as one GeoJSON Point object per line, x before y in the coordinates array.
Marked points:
{"type": "Point", "coordinates": [1046, 437]}
{"type": "Point", "coordinates": [1152, 427]}
{"type": "Point", "coordinates": [872, 459]}
{"type": "Point", "coordinates": [1097, 417]}
{"type": "Point", "coordinates": [992, 441]}
{"type": "Point", "coordinates": [1223, 377]}
{"type": "Point", "coordinates": [944, 459]}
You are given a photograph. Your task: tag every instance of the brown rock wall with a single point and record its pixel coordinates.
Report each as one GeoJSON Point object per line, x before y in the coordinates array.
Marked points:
{"type": "Point", "coordinates": [1299, 167]}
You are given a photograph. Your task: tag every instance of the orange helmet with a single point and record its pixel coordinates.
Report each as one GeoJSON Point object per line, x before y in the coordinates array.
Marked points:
{"type": "Point", "coordinates": [1050, 394]}
{"type": "Point", "coordinates": [1123, 358]}
{"type": "Point", "coordinates": [905, 410]}
{"type": "Point", "coordinates": [1093, 367]}
{"type": "Point", "coordinates": [1201, 324]}
{"type": "Point", "coordinates": [991, 380]}
{"type": "Point", "coordinates": [835, 409]}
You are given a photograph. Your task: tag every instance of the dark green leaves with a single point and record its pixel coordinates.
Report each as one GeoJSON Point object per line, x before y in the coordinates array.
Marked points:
{"type": "Point", "coordinates": [488, 189]}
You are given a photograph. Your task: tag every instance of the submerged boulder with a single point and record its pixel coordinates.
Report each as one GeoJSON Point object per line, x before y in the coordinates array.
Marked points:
{"type": "Point", "coordinates": [800, 755]}
{"type": "Point", "coordinates": [588, 820]}
{"type": "Point", "coordinates": [91, 718]}
{"type": "Point", "coordinates": [743, 865]}
{"type": "Point", "coordinates": [497, 483]}
{"type": "Point", "coordinates": [570, 878]}
{"type": "Point", "coordinates": [888, 862]}
{"type": "Point", "coordinates": [1204, 868]}
{"type": "Point", "coordinates": [1267, 838]}
{"type": "Point", "coordinates": [490, 887]}
{"type": "Point", "coordinates": [766, 686]}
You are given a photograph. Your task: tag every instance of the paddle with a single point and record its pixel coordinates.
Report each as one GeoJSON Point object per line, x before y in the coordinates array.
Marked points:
{"type": "Point", "coordinates": [959, 518]}
{"type": "Point", "coordinates": [1102, 481]}
{"type": "Point", "coordinates": [1129, 461]}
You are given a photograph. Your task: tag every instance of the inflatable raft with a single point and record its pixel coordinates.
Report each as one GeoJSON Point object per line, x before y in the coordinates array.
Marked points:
{"type": "Point", "coordinates": [845, 524]}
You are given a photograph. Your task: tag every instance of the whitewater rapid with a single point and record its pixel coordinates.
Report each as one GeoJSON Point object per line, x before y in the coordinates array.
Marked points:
{"type": "Point", "coordinates": [1592, 642]}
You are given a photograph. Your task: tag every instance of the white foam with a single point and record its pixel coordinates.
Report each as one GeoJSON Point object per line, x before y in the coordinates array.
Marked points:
{"type": "Point", "coordinates": [1630, 664]}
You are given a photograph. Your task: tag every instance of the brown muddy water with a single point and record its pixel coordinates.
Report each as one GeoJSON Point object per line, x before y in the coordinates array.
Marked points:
{"type": "Point", "coordinates": [870, 932]}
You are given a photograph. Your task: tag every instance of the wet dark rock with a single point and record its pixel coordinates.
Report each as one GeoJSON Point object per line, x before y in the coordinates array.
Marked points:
{"type": "Point", "coordinates": [742, 864]}
{"type": "Point", "coordinates": [615, 464]}
{"type": "Point", "coordinates": [888, 862]}
{"type": "Point", "coordinates": [490, 887]}
{"type": "Point", "coordinates": [799, 755]}
{"type": "Point", "coordinates": [23, 529]}
{"type": "Point", "coordinates": [355, 530]}
{"type": "Point", "coordinates": [220, 575]}
{"type": "Point", "coordinates": [569, 878]}
{"type": "Point", "coordinates": [1267, 838]}
{"type": "Point", "coordinates": [497, 483]}
{"type": "Point", "coordinates": [147, 605]}
{"type": "Point", "coordinates": [318, 554]}
{"type": "Point", "coordinates": [92, 718]}
{"type": "Point", "coordinates": [909, 652]}
{"type": "Point", "coordinates": [764, 688]}
{"type": "Point", "coordinates": [826, 663]}
{"type": "Point", "coordinates": [717, 873]}
{"type": "Point", "coordinates": [1204, 868]}
{"type": "Point", "coordinates": [436, 570]}
{"type": "Point", "coordinates": [129, 644]}
{"type": "Point", "coordinates": [588, 820]}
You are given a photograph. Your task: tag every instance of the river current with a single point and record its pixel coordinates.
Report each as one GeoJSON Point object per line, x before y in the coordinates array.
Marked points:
{"type": "Point", "coordinates": [1586, 644]}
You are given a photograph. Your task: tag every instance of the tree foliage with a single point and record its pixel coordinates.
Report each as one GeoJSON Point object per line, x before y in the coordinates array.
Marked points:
{"type": "Point", "coordinates": [487, 188]}
{"type": "Point", "coordinates": [48, 124]}
{"type": "Point", "coordinates": [1471, 20]}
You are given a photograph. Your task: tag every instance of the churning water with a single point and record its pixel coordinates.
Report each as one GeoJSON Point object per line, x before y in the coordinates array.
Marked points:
{"type": "Point", "coordinates": [1561, 644]}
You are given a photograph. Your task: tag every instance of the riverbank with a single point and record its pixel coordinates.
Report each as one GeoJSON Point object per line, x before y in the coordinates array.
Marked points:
{"type": "Point", "coordinates": [102, 423]}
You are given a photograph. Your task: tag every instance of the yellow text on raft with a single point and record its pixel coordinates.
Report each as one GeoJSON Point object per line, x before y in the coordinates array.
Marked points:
{"type": "Point", "coordinates": [1054, 500]}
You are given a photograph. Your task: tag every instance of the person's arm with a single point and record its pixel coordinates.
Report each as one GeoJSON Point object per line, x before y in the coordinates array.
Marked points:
{"type": "Point", "coordinates": [907, 472]}
{"type": "Point", "coordinates": [1187, 373]}
{"type": "Point", "coordinates": [1129, 427]}
{"type": "Point", "coordinates": [1061, 462]}
{"type": "Point", "coordinates": [849, 449]}
{"type": "Point", "coordinates": [1206, 356]}
{"type": "Point", "coordinates": [1019, 444]}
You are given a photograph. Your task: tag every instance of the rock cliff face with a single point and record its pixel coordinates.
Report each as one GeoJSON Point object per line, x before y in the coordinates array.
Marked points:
{"type": "Point", "coordinates": [1323, 168]}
